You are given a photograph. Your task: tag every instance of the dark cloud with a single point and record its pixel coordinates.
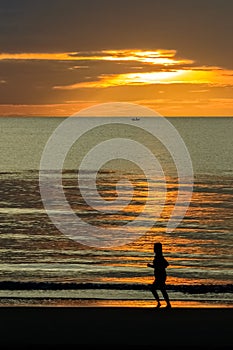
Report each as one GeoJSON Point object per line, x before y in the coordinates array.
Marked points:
{"type": "Point", "coordinates": [198, 29]}
{"type": "Point", "coordinates": [32, 81]}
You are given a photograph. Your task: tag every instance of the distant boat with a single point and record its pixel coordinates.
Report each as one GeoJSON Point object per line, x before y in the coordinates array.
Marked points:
{"type": "Point", "coordinates": [135, 119]}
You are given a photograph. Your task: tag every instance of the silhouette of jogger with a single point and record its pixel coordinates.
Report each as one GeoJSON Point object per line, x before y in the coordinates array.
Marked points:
{"type": "Point", "coordinates": [159, 265]}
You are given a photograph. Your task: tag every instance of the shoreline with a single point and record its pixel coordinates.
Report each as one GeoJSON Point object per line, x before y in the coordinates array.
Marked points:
{"type": "Point", "coordinates": [105, 303]}
{"type": "Point", "coordinates": [135, 326]}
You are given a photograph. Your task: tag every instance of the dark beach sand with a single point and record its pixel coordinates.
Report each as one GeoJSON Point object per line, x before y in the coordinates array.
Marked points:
{"type": "Point", "coordinates": [124, 326]}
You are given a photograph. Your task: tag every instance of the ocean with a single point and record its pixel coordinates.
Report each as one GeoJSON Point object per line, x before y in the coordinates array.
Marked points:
{"type": "Point", "coordinates": [43, 265]}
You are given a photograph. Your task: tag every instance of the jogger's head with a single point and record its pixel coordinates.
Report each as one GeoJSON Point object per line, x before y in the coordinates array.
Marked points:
{"type": "Point", "coordinates": [158, 248]}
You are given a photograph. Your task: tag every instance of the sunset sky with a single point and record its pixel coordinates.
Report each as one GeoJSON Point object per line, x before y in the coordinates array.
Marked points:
{"type": "Point", "coordinates": [174, 56]}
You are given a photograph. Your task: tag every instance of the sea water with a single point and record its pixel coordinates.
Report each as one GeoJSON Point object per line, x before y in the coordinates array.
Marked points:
{"type": "Point", "coordinates": [39, 264]}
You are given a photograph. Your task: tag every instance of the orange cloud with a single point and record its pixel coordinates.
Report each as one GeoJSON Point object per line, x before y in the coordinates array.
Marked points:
{"type": "Point", "coordinates": [215, 77]}
{"type": "Point", "coordinates": [169, 70]}
{"type": "Point", "coordinates": [37, 56]}
{"type": "Point", "coordinates": [157, 57]}
{"type": "Point", "coordinates": [137, 79]}
{"type": "Point", "coordinates": [54, 110]}
{"type": "Point", "coordinates": [167, 107]}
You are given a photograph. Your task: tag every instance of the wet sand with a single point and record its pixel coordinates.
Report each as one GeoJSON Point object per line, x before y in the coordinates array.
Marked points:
{"type": "Point", "coordinates": [123, 326]}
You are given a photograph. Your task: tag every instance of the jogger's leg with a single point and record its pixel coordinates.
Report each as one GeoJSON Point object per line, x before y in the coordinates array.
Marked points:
{"type": "Point", "coordinates": [166, 297]}
{"type": "Point", "coordinates": [156, 296]}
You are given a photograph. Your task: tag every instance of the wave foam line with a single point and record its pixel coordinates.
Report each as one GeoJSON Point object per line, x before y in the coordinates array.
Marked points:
{"type": "Point", "coordinates": [191, 289]}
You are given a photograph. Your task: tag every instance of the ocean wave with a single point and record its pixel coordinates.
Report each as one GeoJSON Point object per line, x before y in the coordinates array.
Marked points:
{"type": "Point", "coordinates": [190, 289]}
